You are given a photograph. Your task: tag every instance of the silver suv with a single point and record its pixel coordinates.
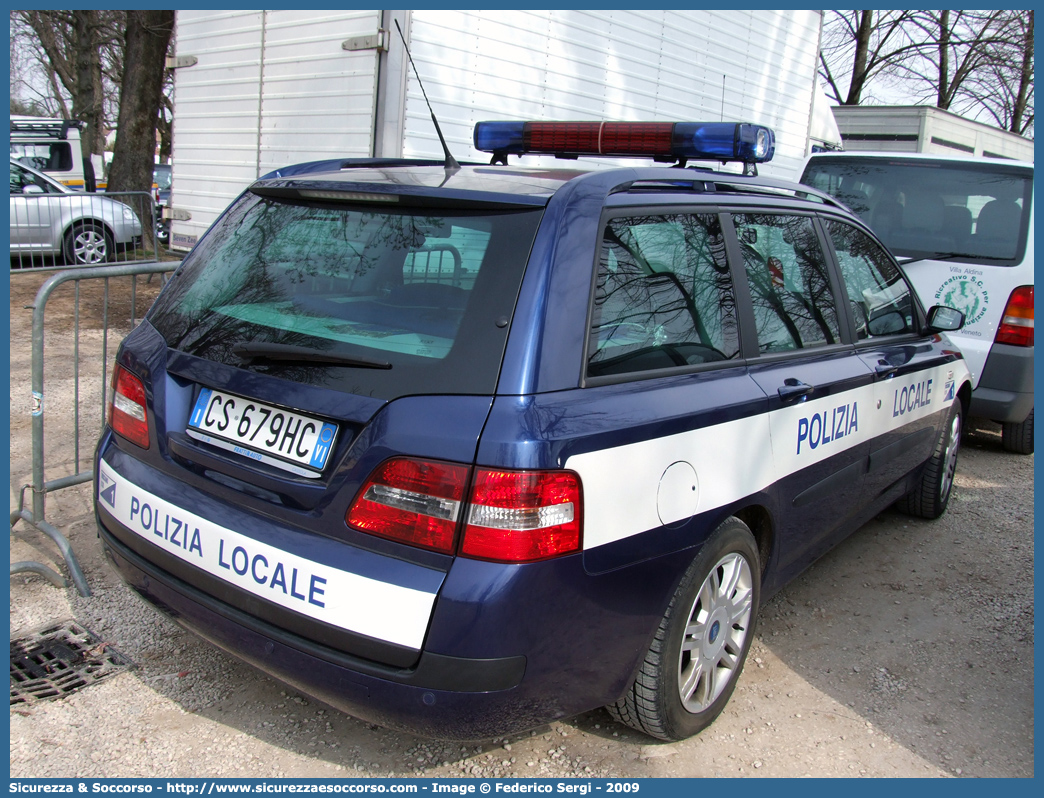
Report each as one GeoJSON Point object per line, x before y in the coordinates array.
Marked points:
{"type": "Point", "coordinates": [51, 220]}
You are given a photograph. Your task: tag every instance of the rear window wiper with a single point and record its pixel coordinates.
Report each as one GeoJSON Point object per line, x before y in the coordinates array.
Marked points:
{"type": "Point", "coordinates": [946, 256]}
{"type": "Point", "coordinates": [256, 350]}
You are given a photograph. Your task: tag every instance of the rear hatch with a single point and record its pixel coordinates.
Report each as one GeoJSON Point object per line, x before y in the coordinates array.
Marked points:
{"type": "Point", "coordinates": [312, 336]}
{"type": "Point", "coordinates": [962, 230]}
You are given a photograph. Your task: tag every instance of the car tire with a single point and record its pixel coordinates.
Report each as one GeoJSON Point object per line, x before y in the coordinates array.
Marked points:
{"type": "Point", "coordinates": [88, 244]}
{"type": "Point", "coordinates": [931, 495]}
{"type": "Point", "coordinates": [675, 694]}
{"type": "Point", "coordinates": [1018, 436]}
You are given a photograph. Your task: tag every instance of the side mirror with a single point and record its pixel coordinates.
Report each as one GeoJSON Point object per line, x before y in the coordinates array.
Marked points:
{"type": "Point", "coordinates": [944, 319]}
{"type": "Point", "coordinates": [32, 188]}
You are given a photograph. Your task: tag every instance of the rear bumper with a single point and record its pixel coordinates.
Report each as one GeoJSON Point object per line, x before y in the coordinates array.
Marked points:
{"type": "Point", "coordinates": [505, 647]}
{"type": "Point", "coordinates": [441, 696]}
{"type": "Point", "coordinates": [1005, 389]}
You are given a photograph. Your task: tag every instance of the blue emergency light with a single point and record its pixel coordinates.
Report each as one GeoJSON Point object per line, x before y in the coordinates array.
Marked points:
{"type": "Point", "coordinates": [707, 141]}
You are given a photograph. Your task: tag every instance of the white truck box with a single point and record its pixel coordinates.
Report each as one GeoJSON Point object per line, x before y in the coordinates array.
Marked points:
{"type": "Point", "coordinates": [918, 128]}
{"type": "Point", "coordinates": [271, 88]}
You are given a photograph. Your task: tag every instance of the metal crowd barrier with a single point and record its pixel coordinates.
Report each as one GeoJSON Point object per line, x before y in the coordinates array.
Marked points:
{"type": "Point", "coordinates": [54, 231]}
{"type": "Point", "coordinates": [82, 471]}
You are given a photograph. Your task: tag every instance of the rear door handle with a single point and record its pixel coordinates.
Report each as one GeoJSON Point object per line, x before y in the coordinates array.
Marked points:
{"type": "Point", "coordinates": [793, 388]}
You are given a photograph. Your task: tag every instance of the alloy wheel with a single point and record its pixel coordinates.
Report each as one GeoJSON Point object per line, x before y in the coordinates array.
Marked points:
{"type": "Point", "coordinates": [719, 621]}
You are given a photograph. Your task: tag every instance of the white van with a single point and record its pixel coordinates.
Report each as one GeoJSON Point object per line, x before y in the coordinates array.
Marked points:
{"type": "Point", "coordinates": [52, 146]}
{"type": "Point", "coordinates": [962, 228]}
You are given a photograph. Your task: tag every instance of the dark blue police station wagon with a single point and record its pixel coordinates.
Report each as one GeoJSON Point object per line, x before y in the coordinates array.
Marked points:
{"type": "Point", "coordinates": [461, 450]}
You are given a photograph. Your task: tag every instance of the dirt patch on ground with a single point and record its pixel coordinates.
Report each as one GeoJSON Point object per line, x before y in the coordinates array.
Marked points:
{"type": "Point", "coordinates": [129, 298]}
{"type": "Point", "coordinates": [906, 651]}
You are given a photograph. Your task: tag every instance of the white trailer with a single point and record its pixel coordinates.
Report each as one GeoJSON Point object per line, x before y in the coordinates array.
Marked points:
{"type": "Point", "coordinates": [256, 90]}
{"type": "Point", "coordinates": [920, 128]}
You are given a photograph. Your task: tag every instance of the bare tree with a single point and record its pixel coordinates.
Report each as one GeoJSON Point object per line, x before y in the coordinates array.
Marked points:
{"type": "Point", "coordinates": [964, 45]}
{"type": "Point", "coordinates": [1021, 119]}
{"type": "Point", "coordinates": [144, 65]}
{"type": "Point", "coordinates": [165, 118]}
{"type": "Point", "coordinates": [1004, 88]}
{"type": "Point", "coordinates": [33, 83]}
{"type": "Point", "coordinates": [71, 64]}
{"type": "Point", "coordinates": [859, 46]}
{"type": "Point", "coordinates": [975, 63]}
{"type": "Point", "coordinates": [88, 80]}
{"type": "Point", "coordinates": [71, 48]}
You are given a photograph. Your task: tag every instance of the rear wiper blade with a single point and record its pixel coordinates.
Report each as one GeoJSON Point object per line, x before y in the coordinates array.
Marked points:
{"type": "Point", "coordinates": [947, 256]}
{"type": "Point", "coordinates": [256, 350]}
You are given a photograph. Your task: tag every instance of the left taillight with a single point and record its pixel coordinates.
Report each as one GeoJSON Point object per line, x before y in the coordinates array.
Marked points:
{"type": "Point", "coordinates": [127, 414]}
{"type": "Point", "coordinates": [412, 501]}
{"type": "Point", "coordinates": [1016, 327]}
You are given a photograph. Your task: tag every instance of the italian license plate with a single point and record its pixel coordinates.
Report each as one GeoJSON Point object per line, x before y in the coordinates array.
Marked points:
{"type": "Point", "coordinates": [272, 435]}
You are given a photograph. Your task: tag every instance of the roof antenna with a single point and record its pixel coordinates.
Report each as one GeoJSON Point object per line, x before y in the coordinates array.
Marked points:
{"type": "Point", "coordinates": [451, 162]}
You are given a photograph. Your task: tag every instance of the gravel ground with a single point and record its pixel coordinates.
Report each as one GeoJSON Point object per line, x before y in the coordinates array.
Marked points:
{"type": "Point", "coordinates": [906, 651]}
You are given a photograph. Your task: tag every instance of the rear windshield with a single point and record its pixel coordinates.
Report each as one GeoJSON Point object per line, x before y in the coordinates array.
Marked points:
{"type": "Point", "coordinates": [941, 209]}
{"type": "Point", "coordinates": [377, 301]}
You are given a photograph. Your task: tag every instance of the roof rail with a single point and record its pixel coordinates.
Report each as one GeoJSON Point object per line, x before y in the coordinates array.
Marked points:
{"type": "Point", "coordinates": [753, 184]}
{"type": "Point", "coordinates": [699, 179]}
{"type": "Point", "coordinates": [52, 128]}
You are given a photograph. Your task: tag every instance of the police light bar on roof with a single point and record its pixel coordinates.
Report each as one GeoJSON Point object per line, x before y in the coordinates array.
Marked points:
{"type": "Point", "coordinates": [707, 141]}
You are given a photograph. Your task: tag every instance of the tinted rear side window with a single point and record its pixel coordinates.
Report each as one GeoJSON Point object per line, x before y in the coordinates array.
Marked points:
{"type": "Point", "coordinates": [925, 208]}
{"type": "Point", "coordinates": [417, 290]}
{"type": "Point", "coordinates": [663, 297]}
{"type": "Point", "coordinates": [794, 305]}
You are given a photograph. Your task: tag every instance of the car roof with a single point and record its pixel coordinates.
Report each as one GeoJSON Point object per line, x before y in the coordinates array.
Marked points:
{"type": "Point", "coordinates": [528, 185]}
{"type": "Point", "coordinates": [918, 156]}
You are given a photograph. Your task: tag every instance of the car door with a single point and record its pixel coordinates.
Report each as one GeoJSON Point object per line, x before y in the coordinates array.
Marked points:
{"type": "Point", "coordinates": [667, 430]}
{"type": "Point", "coordinates": [20, 233]}
{"type": "Point", "coordinates": [912, 378]}
{"type": "Point", "coordinates": [818, 389]}
{"type": "Point", "coordinates": [30, 212]}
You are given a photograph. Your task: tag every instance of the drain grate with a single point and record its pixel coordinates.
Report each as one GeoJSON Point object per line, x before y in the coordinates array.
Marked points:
{"type": "Point", "coordinates": [58, 659]}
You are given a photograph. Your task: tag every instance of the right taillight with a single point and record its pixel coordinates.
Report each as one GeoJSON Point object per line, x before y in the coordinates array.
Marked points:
{"type": "Point", "coordinates": [1016, 326]}
{"type": "Point", "coordinates": [523, 516]}
{"type": "Point", "coordinates": [127, 415]}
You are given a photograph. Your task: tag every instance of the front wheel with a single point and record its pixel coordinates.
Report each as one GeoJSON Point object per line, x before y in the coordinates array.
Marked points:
{"type": "Point", "coordinates": [88, 244]}
{"type": "Point", "coordinates": [692, 666]}
{"type": "Point", "coordinates": [931, 495]}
